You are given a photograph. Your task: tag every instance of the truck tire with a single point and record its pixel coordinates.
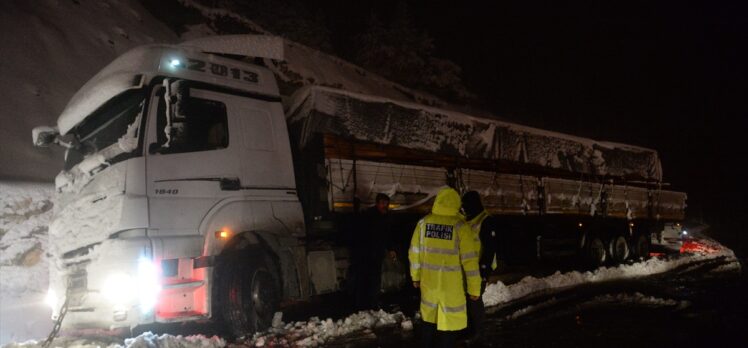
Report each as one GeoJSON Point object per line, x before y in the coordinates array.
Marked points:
{"type": "Point", "coordinates": [248, 292]}
{"type": "Point", "coordinates": [618, 248]}
{"type": "Point", "coordinates": [640, 247]}
{"type": "Point", "coordinates": [595, 251]}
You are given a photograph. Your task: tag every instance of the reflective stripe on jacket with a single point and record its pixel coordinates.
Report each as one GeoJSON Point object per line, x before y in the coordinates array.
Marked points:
{"type": "Point", "coordinates": [443, 257]}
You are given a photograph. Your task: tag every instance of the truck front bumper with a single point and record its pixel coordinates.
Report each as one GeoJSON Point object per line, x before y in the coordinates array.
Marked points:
{"type": "Point", "coordinates": [110, 285]}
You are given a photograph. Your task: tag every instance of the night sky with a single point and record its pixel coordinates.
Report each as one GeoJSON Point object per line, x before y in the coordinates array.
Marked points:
{"type": "Point", "coordinates": [666, 75]}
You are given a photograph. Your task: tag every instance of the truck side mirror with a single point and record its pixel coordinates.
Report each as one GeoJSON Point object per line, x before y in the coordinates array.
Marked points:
{"type": "Point", "coordinates": [43, 136]}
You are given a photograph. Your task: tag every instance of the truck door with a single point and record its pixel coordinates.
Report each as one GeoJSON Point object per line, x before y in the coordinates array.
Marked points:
{"type": "Point", "coordinates": [188, 153]}
{"type": "Point", "coordinates": [206, 145]}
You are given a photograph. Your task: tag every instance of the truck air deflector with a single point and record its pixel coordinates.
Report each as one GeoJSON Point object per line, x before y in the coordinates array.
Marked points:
{"type": "Point", "coordinates": [139, 66]}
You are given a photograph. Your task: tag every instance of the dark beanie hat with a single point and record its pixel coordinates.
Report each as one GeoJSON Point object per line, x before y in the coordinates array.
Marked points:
{"type": "Point", "coordinates": [382, 196]}
{"type": "Point", "coordinates": [471, 204]}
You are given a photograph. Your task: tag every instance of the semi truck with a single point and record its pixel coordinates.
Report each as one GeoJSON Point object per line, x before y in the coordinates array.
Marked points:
{"type": "Point", "coordinates": [192, 190]}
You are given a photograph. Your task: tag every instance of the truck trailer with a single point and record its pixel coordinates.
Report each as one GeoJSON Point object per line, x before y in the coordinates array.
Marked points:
{"type": "Point", "coordinates": [192, 190]}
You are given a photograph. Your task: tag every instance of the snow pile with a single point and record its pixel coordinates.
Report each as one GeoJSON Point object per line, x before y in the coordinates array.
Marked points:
{"type": "Point", "coordinates": [145, 340]}
{"type": "Point", "coordinates": [316, 332]}
{"type": "Point", "coordinates": [635, 298]}
{"type": "Point", "coordinates": [499, 293]}
{"type": "Point", "coordinates": [25, 212]}
{"type": "Point", "coordinates": [150, 340]}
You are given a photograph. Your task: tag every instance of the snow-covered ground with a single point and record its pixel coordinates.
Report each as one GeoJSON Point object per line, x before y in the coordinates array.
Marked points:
{"type": "Point", "coordinates": [25, 212]}
{"type": "Point", "coordinates": [26, 209]}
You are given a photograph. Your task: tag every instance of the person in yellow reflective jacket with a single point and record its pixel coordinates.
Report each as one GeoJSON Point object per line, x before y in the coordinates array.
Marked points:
{"type": "Point", "coordinates": [443, 260]}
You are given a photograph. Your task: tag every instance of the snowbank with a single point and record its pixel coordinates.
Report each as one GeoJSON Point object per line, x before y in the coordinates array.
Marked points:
{"type": "Point", "coordinates": [145, 340]}
{"type": "Point", "coordinates": [149, 340]}
{"type": "Point", "coordinates": [316, 332]}
{"type": "Point", "coordinates": [25, 212]}
{"type": "Point", "coordinates": [499, 293]}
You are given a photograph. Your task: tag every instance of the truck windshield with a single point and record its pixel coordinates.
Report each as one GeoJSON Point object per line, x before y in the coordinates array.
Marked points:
{"type": "Point", "coordinates": [116, 122]}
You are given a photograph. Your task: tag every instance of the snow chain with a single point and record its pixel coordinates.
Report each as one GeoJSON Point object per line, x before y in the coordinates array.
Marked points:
{"type": "Point", "coordinates": [58, 322]}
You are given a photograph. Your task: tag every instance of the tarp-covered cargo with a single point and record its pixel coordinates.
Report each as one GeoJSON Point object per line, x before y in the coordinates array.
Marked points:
{"type": "Point", "coordinates": [412, 188]}
{"type": "Point", "coordinates": [370, 119]}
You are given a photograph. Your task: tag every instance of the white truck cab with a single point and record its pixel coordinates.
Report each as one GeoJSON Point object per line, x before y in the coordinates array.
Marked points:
{"type": "Point", "coordinates": [174, 156]}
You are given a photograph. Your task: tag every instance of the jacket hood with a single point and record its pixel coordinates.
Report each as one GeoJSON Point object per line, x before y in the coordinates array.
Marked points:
{"type": "Point", "coordinates": [447, 202]}
{"type": "Point", "coordinates": [471, 204]}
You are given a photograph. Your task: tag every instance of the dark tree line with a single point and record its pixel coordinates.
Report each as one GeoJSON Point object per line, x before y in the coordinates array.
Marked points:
{"type": "Point", "coordinates": [395, 48]}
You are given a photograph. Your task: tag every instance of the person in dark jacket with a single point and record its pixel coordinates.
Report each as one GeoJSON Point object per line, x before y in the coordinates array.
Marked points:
{"type": "Point", "coordinates": [373, 240]}
{"type": "Point", "coordinates": [484, 228]}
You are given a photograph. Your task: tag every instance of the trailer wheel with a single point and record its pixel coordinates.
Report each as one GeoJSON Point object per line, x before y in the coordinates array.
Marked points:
{"type": "Point", "coordinates": [595, 251]}
{"type": "Point", "coordinates": [248, 292]}
{"type": "Point", "coordinates": [618, 249]}
{"type": "Point", "coordinates": [640, 247]}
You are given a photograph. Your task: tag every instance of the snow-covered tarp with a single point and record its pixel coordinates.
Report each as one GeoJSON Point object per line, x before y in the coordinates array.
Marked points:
{"type": "Point", "coordinates": [391, 122]}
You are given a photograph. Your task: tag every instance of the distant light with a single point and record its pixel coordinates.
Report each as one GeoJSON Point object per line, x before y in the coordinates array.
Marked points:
{"type": "Point", "coordinates": [175, 63]}
{"type": "Point", "coordinates": [685, 232]}
{"type": "Point", "coordinates": [580, 224]}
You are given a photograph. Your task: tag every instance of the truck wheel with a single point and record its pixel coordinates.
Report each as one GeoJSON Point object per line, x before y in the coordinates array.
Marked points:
{"type": "Point", "coordinates": [596, 253]}
{"type": "Point", "coordinates": [640, 247]}
{"type": "Point", "coordinates": [618, 249]}
{"type": "Point", "coordinates": [248, 292]}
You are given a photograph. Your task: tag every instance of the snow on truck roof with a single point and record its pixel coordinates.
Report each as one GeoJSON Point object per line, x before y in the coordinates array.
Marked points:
{"type": "Point", "coordinates": [139, 65]}
{"type": "Point", "coordinates": [410, 125]}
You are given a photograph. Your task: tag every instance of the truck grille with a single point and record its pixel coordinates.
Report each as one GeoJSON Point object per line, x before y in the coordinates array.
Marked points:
{"type": "Point", "coordinates": [78, 281]}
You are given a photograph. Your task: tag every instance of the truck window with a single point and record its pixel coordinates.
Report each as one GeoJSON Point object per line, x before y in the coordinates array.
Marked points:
{"type": "Point", "coordinates": [202, 126]}
{"type": "Point", "coordinates": [106, 127]}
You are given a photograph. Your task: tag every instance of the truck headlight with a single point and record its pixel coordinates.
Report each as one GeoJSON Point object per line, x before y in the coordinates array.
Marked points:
{"type": "Point", "coordinates": [118, 289]}
{"type": "Point", "coordinates": [148, 284]}
{"type": "Point", "coordinates": [122, 289]}
{"type": "Point", "coordinates": [51, 299]}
